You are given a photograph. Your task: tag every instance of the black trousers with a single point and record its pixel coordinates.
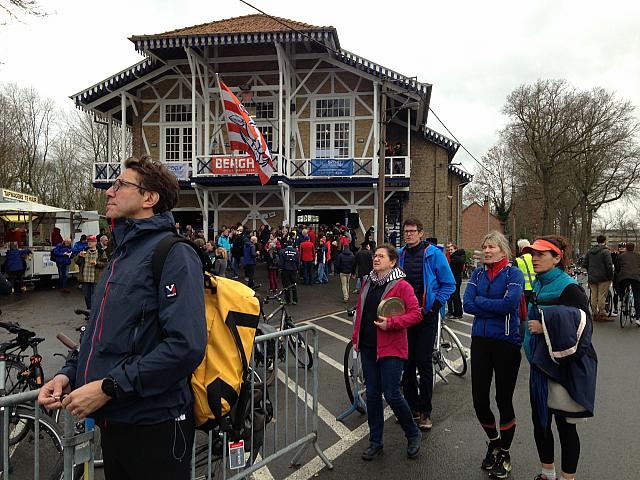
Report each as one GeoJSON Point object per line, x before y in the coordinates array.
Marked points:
{"type": "Point", "coordinates": [491, 357]}
{"type": "Point", "coordinates": [454, 304]}
{"type": "Point", "coordinates": [569, 441]}
{"type": "Point", "coordinates": [635, 289]}
{"type": "Point", "coordinates": [421, 339]}
{"type": "Point", "coordinates": [288, 279]}
{"type": "Point", "coordinates": [161, 451]}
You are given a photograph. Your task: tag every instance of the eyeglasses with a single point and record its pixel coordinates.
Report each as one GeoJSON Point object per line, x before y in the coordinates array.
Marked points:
{"type": "Point", "coordinates": [119, 183]}
{"type": "Point", "coordinates": [410, 232]}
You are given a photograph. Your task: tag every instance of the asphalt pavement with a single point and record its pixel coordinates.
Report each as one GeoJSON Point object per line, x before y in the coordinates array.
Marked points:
{"type": "Point", "coordinates": [456, 445]}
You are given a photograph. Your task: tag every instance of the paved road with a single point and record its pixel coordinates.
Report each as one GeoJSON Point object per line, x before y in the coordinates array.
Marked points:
{"type": "Point", "coordinates": [455, 446]}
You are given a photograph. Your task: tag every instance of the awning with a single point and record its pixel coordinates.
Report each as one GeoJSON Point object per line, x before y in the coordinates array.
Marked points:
{"type": "Point", "coordinates": [29, 207]}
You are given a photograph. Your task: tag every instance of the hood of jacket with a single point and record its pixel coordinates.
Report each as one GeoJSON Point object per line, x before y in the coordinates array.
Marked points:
{"type": "Point", "coordinates": [596, 249]}
{"type": "Point", "coordinates": [127, 229]}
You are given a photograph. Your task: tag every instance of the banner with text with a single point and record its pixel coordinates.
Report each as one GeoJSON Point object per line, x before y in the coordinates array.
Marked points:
{"type": "Point", "coordinates": [180, 170]}
{"type": "Point", "coordinates": [330, 167]}
{"type": "Point", "coordinates": [230, 165]}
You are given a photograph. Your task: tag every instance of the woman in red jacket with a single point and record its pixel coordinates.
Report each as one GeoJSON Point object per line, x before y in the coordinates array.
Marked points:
{"type": "Point", "coordinates": [383, 347]}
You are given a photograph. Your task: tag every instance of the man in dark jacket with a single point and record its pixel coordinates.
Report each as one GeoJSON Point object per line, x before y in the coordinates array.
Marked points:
{"type": "Point", "coordinates": [364, 264]}
{"type": "Point", "coordinates": [143, 340]}
{"type": "Point", "coordinates": [600, 271]}
{"type": "Point", "coordinates": [346, 267]}
{"type": "Point", "coordinates": [249, 254]}
{"type": "Point", "coordinates": [290, 261]}
{"type": "Point", "coordinates": [628, 275]}
{"type": "Point", "coordinates": [237, 246]}
{"type": "Point", "coordinates": [457, 259]}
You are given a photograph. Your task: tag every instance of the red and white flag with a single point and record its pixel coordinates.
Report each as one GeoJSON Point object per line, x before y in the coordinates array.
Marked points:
{"type": "Point", "coordinates": [244, 135]}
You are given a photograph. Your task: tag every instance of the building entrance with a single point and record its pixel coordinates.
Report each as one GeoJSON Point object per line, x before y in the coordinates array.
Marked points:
{"type": "Point", "coordinates": [315, 218]}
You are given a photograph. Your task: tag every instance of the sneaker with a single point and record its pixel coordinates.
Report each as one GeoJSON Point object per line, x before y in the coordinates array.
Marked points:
{"type": "Point", "coordinates": [372, 452]}
{"type": "Point", "coordinates": [413, 446]}
{"type": "Point", "coordinates": [637, 322]}
{"type": "Point", "coordinates": [502, 468]}
{"type": "Point", "coordinates": [615, 312]}
{"type": "Point", "coordinates": [490, 458]}
{"type": "Point", "coordinates": [424, 422]}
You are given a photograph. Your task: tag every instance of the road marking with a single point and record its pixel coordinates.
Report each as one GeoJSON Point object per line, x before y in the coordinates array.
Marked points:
{"type": "Point", "coordinates": [324, 414]}
{"type": "Point", "coordinates": [326, 358]}
{"type": "Point", "coordinates": [311, 468]}
{"type": "Point", "coordinates": [313, 319]}
{"type": "Point", "coordinates": [331, 333]}
{"type": "Point", "coordinates": [348, 322]}
{"type": "Point", "coordinates": [459, 321]}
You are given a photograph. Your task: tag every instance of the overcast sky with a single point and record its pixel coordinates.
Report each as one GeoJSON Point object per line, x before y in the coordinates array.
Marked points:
{"type": "Point", "coordinates": [473, 52]}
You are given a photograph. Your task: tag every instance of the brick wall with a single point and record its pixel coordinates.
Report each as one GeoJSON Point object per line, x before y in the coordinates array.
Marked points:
{"type": "Point", "coordinates": [474, 225]}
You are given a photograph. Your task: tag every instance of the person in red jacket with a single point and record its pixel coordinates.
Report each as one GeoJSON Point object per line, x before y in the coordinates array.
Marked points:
{"type": "Point", "coordinates": [383, 346]}
{"type": "Point", "coordinates": [307, 251]}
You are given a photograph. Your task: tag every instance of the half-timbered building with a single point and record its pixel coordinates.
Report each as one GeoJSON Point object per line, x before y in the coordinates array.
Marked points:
{"type": "Point", "coordinates": [319, 108]}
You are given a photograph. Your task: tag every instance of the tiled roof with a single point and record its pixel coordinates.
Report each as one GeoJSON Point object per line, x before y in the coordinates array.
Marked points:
{"type": "Point", "coordinates": [441, 140]}
{"type": "Point", "coordinates": [257, 23]}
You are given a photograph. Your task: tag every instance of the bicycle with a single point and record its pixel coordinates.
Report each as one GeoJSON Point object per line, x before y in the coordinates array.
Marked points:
{"type": "Point", "coordinates": [353, 376]}
{"type": "Point", "coordinates": [266, 356]}
{"type": "Point", "coordinates": [448, 352]}
{"type": "Point", "coordinates": [627, 308]}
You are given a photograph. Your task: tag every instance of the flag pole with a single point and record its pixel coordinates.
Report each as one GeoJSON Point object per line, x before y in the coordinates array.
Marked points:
{"type": "Point", "coordinates": [226, 125]}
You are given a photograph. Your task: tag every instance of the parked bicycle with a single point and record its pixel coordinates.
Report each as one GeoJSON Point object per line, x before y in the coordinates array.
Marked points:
{"type": "Point", "coordinates": [267, 357]}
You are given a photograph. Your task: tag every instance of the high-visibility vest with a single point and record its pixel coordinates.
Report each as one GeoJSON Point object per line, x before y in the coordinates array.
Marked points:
{"type": "Point", "coordinates": [526, 265]}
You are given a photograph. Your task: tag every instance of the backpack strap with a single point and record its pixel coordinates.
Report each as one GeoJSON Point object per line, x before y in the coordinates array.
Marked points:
{"type": "Point", "coordinates": [162, 250]}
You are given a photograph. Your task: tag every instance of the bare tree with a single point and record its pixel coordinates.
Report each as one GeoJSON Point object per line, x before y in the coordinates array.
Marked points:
{"type": "Point", "coordinates": [16, 9]}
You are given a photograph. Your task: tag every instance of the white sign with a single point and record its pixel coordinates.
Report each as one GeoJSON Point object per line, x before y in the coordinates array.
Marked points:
{"type": "Point", "coordinates": [21, 197]}
{"type": "Point", "coordinates": [180, 170]}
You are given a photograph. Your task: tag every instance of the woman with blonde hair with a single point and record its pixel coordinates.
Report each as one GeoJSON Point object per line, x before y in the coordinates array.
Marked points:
{"type": "Point", "coordinates": [493, 296]}
{"type": "Point", "coordinates": [220, 262]}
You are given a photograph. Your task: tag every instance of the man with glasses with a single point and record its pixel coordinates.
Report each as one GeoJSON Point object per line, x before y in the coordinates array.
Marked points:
{"type": "Point", "coordinates": [429, 274]}
{"type": "Point", "coordinates": [143, 340]}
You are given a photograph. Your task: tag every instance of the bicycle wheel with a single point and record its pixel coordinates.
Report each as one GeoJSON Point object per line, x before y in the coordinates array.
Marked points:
{"type": "Point", "coordinates": [299, 347]}
{"type": "Point", "coordinates": [15, 383]}
{"type": "Point", "coordinates": [452, 351]}
{"type": "Point", "coordinates": [625, 310]}
{"type": "Point", "coordinates": [354, 382]}
{"type": "Point", "coordinates": [265, 359]}
{"type": "Point", "coordinates": [608, 303]}
{"type": "Point", "coordinates": [50, 446]}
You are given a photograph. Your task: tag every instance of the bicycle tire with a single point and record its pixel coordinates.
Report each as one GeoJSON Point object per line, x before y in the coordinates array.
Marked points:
{"type": "Point", "coordinates": [352, 383]}
{"type": "Point", "coordinates": [16, 383]}
{"type": "Point", "coordinates": [51, 458]}
{"type": "Point", "coordinates": [265, 361]}
{"type": "Point", "coordinates": [299, 345]}
{"type": "Point", "coordinates": [625, 310]}
{"type": "Point", "coordinates": [608, 303]}
{"type": "Point", "coordinates": [453, 354]}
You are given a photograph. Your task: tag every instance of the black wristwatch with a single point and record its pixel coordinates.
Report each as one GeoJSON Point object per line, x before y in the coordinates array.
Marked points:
{"type": "Point", "coordinates": [110, 387]}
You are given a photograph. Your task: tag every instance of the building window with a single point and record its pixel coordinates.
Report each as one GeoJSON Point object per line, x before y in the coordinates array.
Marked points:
{"type": "Point", "coordinates": [333, 140]}
{"type": "Point", "coordinates": [264, 110]}
{"type": "Point", "coordinates": [177, 144]}
{"type": "Point", "coordinates": [177, 113]}
{"type": "Point", "coordinates": [333, 107]}
{"type": "Point", "coordinates": [267, 133]}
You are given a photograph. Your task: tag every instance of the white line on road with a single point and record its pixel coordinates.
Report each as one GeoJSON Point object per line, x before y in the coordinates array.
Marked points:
{"type": "Point", "coordinates": [331, 333]}
{"type": "Point", "coordinates": [326, 358]}
{"type": "Point", "coordinates": [324, 414]}
{"type": "Point", "coordinates": [348, 322]}
{"type": "Point", "coordinates": [459, 321]}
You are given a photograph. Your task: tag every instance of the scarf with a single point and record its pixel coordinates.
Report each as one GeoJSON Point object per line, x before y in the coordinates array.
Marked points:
{"type": "Point", "coordinates": [494, 269]}
{"type": "Point", "coordinates": [393, 274]}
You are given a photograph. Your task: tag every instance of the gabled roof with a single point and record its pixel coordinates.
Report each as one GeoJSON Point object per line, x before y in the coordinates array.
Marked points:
{"type": "Point", "coordinates": [256, 23]}
{"type": "Point", "coordinates": [439, 139]}
{"type": "Point", "coordinates": [247, 29]}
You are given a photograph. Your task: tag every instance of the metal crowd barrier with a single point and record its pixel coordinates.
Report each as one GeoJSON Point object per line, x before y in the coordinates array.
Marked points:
{"type": "Point", "coordinates": [50, 441]}
{"type": "Point", "coordinates": [283, 420]}
{"type": "Point", "coordinates": [293, 396]}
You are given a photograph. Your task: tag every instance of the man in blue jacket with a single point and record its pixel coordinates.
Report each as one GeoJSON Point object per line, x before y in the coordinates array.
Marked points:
{"type": "Point", "coordinates": [144, 339]}
{"type": "Point", "coordinates": [429, 274]}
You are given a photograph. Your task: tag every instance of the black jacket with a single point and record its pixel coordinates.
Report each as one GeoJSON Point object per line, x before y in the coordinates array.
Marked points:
{"type": "Point", "coordinates": [456, 262]}
{"type": "Point", "coordinates": [599, 264]}
{"type": "Point", "coordinates": [289, 259]}
{"type": "Point", "coordinates": [237, 245]}
{"type": "Point", "coordinates": [629, 266]}
{"type": "Point", "coordinates": [364, 262]}
{"type": "Point", "coordinates": [346, 262]}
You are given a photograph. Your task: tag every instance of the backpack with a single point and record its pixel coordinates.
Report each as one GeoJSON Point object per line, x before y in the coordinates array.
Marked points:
{"type": "Point", "coordinates": [275, 258]}
{"type": "Point", "coordinates": [221, 384]}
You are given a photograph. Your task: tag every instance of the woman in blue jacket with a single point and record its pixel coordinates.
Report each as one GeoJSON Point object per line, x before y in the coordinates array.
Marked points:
{"type": "Point", "coordinates": [553, 287]}
{"type": "Point", "coordinates": [493, 296]}
{"type": "Point", "coordinates": [15, 266]}
{"type": "Point", "coordinates": [63, 254]}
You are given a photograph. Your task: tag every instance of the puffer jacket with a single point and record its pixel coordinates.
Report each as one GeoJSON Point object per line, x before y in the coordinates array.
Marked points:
{"type": "Point", "coordinates": [599, 264]}
{"type": "Point", "coordinates": [59, 254]}
{"type": "Point", "coordinates": [148, 337]}
{"type": "Point", "coordinates": [494, 303]}
{"type": "Point", "coordinates": [248, 252]}
{"type": "Point", "coordinates": [456, 262]}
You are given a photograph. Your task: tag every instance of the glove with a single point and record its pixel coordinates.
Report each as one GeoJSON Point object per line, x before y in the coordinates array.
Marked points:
{"type": "Point", "coordinates": [435, 308]}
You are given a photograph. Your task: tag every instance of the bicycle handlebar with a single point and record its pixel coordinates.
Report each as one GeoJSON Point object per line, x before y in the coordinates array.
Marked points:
{"type": "Point", "coordinates": [278, 296]}
{"type": "Point", "coordinates": [67, 342]}
{"type": "Point", "coordinates": [16, 329]}
{"type": "Point", "coordinates": [81, 311]}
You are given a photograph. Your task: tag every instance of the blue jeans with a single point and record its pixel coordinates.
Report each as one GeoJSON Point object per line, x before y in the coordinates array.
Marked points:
{"type": "Point", "coordinates": [307, 270]}
{"type": "Point", "coordinates": [322, 273]}
{"type": "Point", "coordinates": [235, 266]}
{"type": "Point", "coordinates": [63, 271]}
{"type": "Point", "coordinates": [383, 377]}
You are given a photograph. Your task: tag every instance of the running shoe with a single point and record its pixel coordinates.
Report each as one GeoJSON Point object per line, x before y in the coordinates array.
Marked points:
{"type": "Point", "coordinates": [502, 468]}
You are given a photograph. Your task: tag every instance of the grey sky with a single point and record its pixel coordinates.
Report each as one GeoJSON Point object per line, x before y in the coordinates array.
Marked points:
{"type": "Point", "coordinates": [474, 53]}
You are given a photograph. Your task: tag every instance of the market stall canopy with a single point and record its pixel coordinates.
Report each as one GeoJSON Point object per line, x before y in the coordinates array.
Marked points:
{"type": "Point", "coordinates": [29, 207]}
